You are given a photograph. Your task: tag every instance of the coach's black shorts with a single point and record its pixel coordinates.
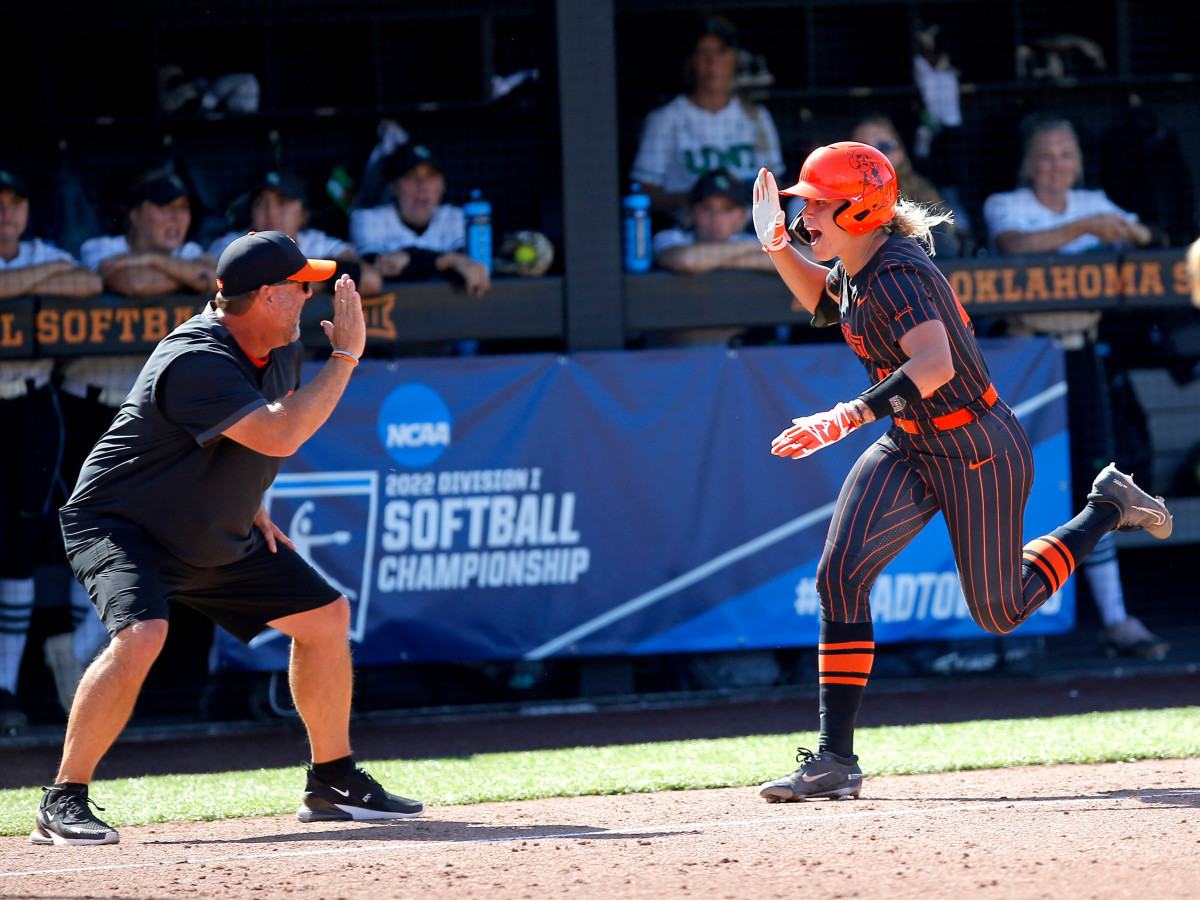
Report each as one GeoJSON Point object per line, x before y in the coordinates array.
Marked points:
{"type": "Point", "coordinates": [130, 578]}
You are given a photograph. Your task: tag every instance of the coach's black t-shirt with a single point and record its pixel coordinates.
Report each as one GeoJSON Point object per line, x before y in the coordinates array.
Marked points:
{"type": "Point", "coordinates": [164, 465]}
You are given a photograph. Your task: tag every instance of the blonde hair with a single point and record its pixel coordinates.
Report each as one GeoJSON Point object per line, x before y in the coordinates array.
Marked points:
{"type": "Point", "coordinates": [917, 221]}
{"type": "Point", "coordinates": [1192, 264]}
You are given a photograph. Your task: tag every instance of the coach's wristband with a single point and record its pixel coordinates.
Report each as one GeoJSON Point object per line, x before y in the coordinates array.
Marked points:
{"type": "Point", "coordinates": [346, 355]}
{"type": "Point", "coordinates": [890, 396]}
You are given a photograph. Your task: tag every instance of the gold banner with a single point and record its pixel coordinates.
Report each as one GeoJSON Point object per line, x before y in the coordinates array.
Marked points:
{"type": "Point", "coordinates": [1084, 279]}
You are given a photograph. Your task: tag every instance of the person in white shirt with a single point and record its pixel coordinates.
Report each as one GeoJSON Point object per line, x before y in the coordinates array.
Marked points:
{"type": "Point", "coordinates": [1048, 213]}
{"type": "Point", "coordinates": [710, 127]}
{"type": "Point", "coordinates": [417, 237]}
{"type": "Point", "coordinates": [34, 266]}
{"type": "Point", "coordinates": [279, 202]}
{"type": "Point", "coordinates": [152, 257]}
{"type": "Point", "coordinates": [28, 463]}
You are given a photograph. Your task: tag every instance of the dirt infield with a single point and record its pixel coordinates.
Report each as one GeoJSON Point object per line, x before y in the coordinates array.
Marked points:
{"type": "Point", "coordinates": [1127, 830]}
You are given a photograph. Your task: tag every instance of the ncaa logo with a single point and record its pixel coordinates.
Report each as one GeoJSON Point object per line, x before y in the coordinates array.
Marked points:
{"type": "Point", "coordinates": [414, 425]}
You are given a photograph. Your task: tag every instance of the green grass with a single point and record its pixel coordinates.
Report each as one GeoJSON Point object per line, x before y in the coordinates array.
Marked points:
{"type": "Point", "coordinates": [670, 765]}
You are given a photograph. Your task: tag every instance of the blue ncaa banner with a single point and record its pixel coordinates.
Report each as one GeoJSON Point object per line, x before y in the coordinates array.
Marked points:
{"type": "Point", "coordinates": [613, 503]}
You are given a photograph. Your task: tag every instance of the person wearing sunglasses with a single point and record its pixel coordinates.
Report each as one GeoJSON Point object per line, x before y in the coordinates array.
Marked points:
{"type": "Point", "coordinates": [170, 509]}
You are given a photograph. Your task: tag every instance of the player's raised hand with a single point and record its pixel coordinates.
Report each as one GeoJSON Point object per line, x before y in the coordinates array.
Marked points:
{"type": "Point", "coordinates": [348, 330]}
{"type": "Point", "coordinates": [811, 433]}
{"type": "Point", "coordinates": [768, 215]}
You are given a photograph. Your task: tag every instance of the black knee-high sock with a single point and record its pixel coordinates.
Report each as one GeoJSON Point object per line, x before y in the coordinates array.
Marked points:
{"type": "Point", "coordinates": [1054, 557]}
{"type": "Point", "coordinates": [844, 659]}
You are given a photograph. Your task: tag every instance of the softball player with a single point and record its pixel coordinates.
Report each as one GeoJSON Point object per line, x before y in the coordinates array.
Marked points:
{"type": "Point", "coordinates": [953, 445]}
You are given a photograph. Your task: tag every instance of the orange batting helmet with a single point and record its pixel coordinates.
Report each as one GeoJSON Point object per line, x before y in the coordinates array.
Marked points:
{"type": "Point", "coordinates": [856, 173]}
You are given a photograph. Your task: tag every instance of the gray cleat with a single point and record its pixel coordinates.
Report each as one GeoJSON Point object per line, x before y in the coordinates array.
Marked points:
{"type": "Point", "coordinates": [820, 775]}
{"type": "Point", "coordinates": [1138, 510]}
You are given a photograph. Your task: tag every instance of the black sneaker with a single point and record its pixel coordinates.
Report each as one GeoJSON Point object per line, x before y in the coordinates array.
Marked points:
{"type": "Point", "coordinates": [356, 796]}
{"type": "Point", "coordinates": [12, 720]}
{"type": "Point", "coordinates": [820, 775]}
{"type": "Point", "coordinates": [64, 818]}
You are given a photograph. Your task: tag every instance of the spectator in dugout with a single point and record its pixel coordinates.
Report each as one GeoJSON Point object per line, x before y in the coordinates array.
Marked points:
{"type": "Point", "coordinates": [1050, 213]}
{"type": "Point", "coordinates": [417, 237]}
{"type": "Point", "coordinates": [28, 265]}
{"type": "Point", "coordinates": [152, 257]}
{"type": "Point", "coordinates": [713, 237]}
{"type": "Point", "coordinates": [279, 202]}
{"type": "Point", "coordinates": [712, 126]}
{"type": "Point", "coordinates": [950, 238]}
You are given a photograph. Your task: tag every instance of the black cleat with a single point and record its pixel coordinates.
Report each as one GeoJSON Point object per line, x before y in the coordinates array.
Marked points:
{"type": "Point", "coordinates": [820, 775]}
{"type": "Point", "coordinates": [1138, 510]}
{"type": "Point", "coordinates": [353, 797]}
{"type": "Point", "coordinates": [63, 818]}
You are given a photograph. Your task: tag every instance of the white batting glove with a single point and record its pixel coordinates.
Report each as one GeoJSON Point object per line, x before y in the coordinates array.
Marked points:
{"type": "Point", "coordinates": [811, 433]}
{"type": "Point", "coordinates": [768, 215]}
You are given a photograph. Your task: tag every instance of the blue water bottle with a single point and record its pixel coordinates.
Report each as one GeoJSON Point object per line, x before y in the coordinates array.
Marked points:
{"type": "Point", "coordinates": [637, 230]}
{"type": "Point", "coordinates": [479, 229]}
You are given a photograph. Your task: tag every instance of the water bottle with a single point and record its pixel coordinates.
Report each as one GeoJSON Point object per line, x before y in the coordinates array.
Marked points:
{"type": "Point", "coordinates": [479, 229]}
{"type": "Point", "coordinates": [637, 230]}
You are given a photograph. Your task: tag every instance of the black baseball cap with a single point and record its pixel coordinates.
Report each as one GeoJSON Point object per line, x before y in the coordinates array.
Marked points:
{"type": "Point", "coordinates": [720, 183]}
{"type": "Point", "coordinates": [160, 186]}
{"type": "Point", "coordinates": [11, 181]}
{"type": "Point", "coordinates": [267, 257]}
{"type": "Point", "coordinates": [407, 158]}
{"type": "Point", "coordinates": [284, 183]}
{"type": "Point", "coordinates": [719, 27]}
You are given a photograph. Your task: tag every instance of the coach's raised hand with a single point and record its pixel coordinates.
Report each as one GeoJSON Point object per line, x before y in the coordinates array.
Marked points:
{"type": "Point", "coordinates": [348, 330]}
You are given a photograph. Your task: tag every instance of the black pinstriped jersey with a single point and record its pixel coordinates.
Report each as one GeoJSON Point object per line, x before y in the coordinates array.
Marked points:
{"type": "Point", "coordinates": [898, 289]}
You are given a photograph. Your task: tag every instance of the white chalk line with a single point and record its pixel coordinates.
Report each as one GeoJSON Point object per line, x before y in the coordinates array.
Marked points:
{"type": "Point", "coordinates": [635, 831]}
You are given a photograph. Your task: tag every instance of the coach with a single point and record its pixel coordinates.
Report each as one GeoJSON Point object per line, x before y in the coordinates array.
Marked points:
{"type": "Point", "coordinates": [169, 507]}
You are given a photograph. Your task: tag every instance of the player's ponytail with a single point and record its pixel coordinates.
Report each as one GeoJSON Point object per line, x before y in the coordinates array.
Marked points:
{"type": "Point", "coordinates": [917, 221]}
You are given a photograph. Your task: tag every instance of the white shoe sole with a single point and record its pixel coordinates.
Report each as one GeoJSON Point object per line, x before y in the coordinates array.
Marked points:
{"type": "Point", "coordinates": [40, 835]}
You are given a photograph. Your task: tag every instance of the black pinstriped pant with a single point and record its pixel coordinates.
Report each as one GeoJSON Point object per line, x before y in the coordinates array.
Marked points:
{"type": "Point", "coordinates": [978, 476]}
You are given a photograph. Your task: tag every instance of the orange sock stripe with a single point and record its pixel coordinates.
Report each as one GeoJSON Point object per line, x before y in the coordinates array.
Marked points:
{"type": "Point", "coordinates": [1062, 548]}
{"type": "Point", "coordinates": [859, 662]}
{"type": "Point", "coordinates": [1052, 558]}
{"type": "Point", "coordinates": [842, 679]}
{"type": "Point", "coordinates": [849, 645]}
{"type": "Point", "coordinates": [1047, 574]}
